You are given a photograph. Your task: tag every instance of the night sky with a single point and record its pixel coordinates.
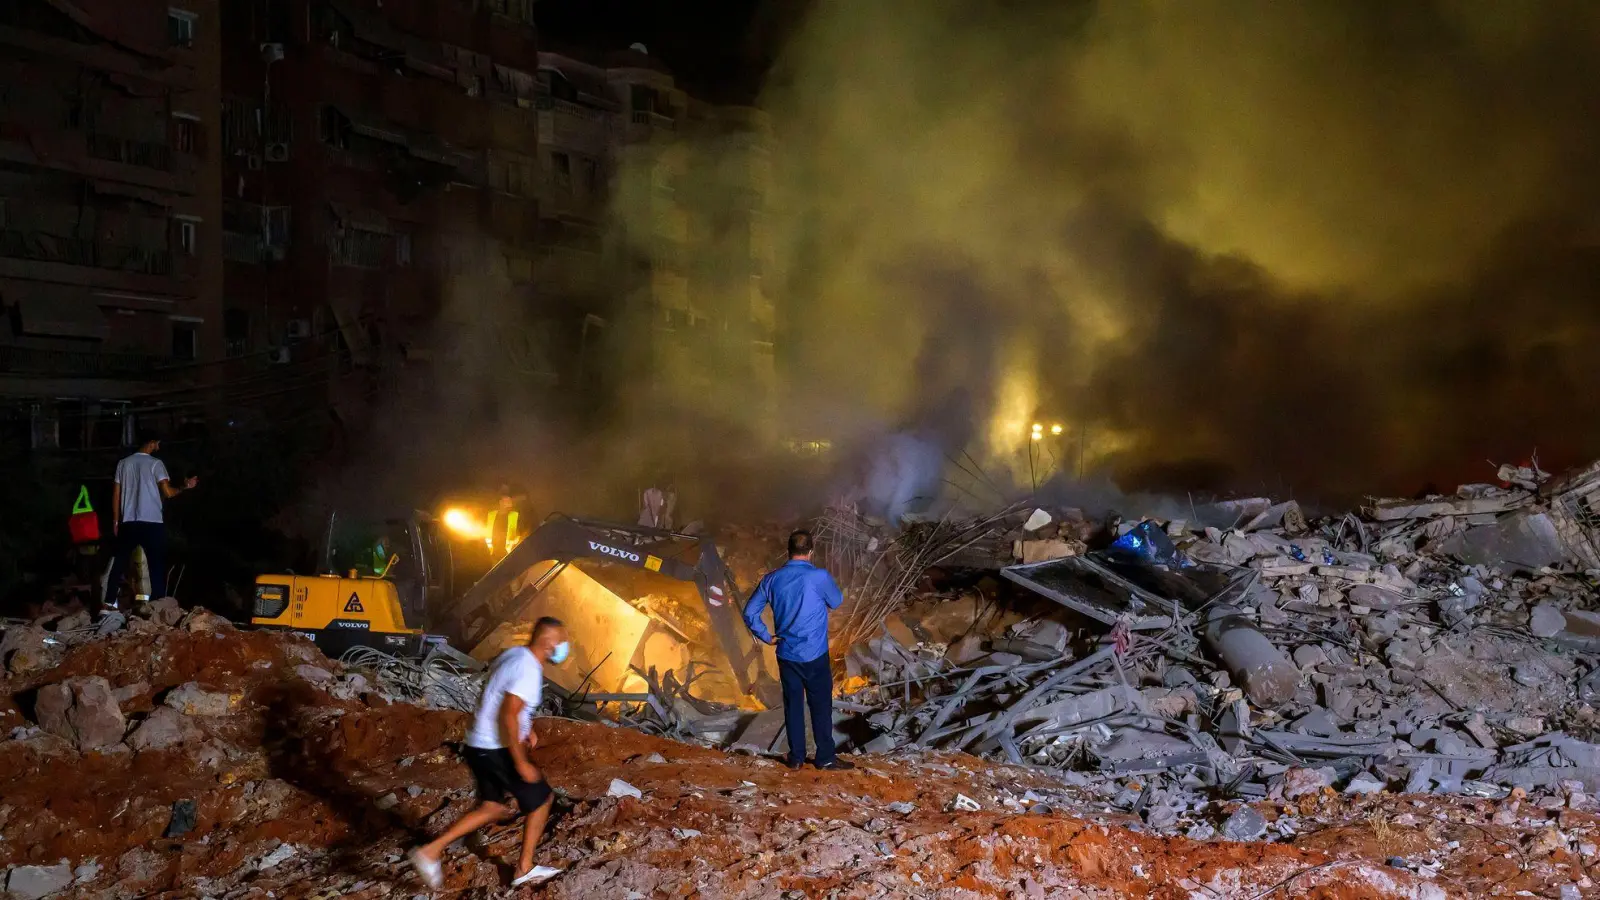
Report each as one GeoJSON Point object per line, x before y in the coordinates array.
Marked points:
{"type": "Point", "coordinates": [718, 49]}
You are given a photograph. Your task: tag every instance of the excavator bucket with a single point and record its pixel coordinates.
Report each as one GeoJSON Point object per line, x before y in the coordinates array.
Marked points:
{"type": "Point", "coordinates": [535, 579]}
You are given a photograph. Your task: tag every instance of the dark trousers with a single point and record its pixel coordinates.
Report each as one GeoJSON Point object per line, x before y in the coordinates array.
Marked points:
{"type": "Point", "coordinates": [152, 536]}
{"type": "Point", "coordinates": [808, 684]}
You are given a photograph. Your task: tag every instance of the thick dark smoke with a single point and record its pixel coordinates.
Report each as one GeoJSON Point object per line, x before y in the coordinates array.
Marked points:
{"type": "Point", "coordinates": [1319, 248]}
{"type": "Point", "coordinates": [1325, 247]}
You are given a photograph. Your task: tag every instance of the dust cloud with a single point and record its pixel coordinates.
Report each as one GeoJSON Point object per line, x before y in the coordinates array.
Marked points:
{"type": "Point", "coordinates": [1307, 248]}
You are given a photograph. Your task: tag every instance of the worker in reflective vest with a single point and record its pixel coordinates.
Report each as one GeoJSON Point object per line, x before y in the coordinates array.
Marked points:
{"type": "Point", "coordinates": [500, 532]}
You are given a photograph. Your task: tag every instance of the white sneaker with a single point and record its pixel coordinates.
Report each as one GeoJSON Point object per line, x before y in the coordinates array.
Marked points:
{"type": "Point", "coordinates": [535, 875]}
{"type": "Point", "coordinates": [429, 870]}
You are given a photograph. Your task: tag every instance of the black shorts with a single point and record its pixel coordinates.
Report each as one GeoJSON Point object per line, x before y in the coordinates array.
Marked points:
{"type": "Point", "coordinates": [496, 774]}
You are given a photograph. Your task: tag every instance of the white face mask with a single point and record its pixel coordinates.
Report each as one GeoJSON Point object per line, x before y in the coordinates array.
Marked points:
{"type": "Point", "coordinates": [559, 654]}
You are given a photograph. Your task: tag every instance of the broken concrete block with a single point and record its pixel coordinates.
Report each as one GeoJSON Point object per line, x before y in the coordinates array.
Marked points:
{"type": "Point", "coordinates": [1038, 520]}
{"type": "Point", "coordinates": [111, 622]}
{"type": "Point", "coordinates": [1244, 825]}
{"type": "Point", "coordinates": [166, 611]}
{"type": "Point", "coordinates": [1365, 783]}
{"type": "Point", "coordinates": [620, 788]}
{"type": "Point", "coordinates": [1043, 551]}
{"type": "Point", "coordinates": [1298, 782]}
{"type": "Point", "coordinates": [1309, 656]}
{"type": "Point", "coordinates": [314, 674]}
{"type": "Point", "coordinates": [204, 620]}
{"type": "Point", "coordinates": [34, 882]}
{"type": "Point", "coordinates": [761, 733]}
{"type": "Point", "coordinates": [966, 651]}
{"type": "Point", "coordinates": [193, 700]}
{"type": "Point", "coordinates": [81, 710]}
{"type": "Point", "coordinates": [73, 621]}
{"type": "Point", "coordinates": [949, 620]}
{"type": "Point", "coordinates": [25, 648]}
{"type": "Point", "coordinates": [164, 727]}
{"type": "Point", "coordinates": [128, 692]}
{"type": "Point", "coordinates": [963, 803]}
{"type": "Point", "coordinates": [1546, 621]}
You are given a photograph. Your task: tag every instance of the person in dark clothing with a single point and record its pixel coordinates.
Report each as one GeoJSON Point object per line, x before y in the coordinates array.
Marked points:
{"type": "Point", "coordinates": [801, 596]}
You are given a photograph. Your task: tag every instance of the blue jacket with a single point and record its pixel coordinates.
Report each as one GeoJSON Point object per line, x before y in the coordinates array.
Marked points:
{"type": "Point", "coordinates": [801, 596]}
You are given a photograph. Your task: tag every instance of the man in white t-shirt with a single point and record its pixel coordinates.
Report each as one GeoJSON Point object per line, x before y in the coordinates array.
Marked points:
{"type": "Point", "coordinates": [498, 752]}
{"type": "Point", "coordinates": [136, 520]}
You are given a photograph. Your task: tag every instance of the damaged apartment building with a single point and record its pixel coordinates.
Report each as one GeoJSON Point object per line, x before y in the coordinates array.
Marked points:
{"type": "Point", "coordinates": [110, 282]}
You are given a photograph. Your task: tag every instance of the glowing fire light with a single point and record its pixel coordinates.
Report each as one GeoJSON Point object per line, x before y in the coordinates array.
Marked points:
{"type": "Point", "coordinates": [463, 523]}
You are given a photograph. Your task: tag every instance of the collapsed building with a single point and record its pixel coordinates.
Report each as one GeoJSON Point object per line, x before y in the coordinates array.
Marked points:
{"type": "Point", "coordinates": [1397, 699]}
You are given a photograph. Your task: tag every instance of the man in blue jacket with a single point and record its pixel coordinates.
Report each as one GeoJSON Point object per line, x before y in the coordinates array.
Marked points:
{"type": "Point", "coordinates": [801, 595]}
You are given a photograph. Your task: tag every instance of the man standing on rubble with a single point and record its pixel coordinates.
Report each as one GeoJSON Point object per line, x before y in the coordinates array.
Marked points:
{"type": "Point", "coordinates": [801, 595]}
{"type": "Point", "coordinates": [136, 518]}
{"type": "Point", "coordinates": [498, 752]}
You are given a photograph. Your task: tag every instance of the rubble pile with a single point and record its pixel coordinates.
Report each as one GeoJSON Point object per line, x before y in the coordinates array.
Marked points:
{"type": "Point", "coordinates": [196, 760]}
{"type": "Point", "coordinates": [1444, 645]}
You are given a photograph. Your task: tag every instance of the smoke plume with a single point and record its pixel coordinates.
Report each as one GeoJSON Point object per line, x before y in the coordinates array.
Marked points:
{"type": "Point", "coordinates": [1321, 247]}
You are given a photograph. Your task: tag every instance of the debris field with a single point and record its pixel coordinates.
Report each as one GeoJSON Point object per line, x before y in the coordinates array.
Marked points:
{"type": "Point", "coordinates": [1245, 703]}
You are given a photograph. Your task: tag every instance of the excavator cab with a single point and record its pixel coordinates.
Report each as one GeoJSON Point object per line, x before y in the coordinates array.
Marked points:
{"type": "Point", "coordinates": [376, 583]}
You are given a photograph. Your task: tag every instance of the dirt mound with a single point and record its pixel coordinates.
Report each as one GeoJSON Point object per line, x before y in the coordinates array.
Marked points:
{"type": "Point", "coordinates": [253, 777]}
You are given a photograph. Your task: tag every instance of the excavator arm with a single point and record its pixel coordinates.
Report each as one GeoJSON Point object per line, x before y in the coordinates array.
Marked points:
{"type": "Point", "coordinates": [506, 594]}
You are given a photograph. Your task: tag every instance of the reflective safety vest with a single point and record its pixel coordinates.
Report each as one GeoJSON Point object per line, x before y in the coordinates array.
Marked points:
{"type": "Point", "coordinates": [511, 528]}
{"type": "Point", "coordinates": [83, 524]}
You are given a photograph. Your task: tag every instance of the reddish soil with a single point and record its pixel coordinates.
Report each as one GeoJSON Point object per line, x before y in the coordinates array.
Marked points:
{"type": "Point", "coordinates": [348, 785]}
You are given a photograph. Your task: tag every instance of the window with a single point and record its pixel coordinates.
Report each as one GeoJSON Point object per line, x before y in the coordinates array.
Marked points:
{"type": "Point", "coordinates": [360, 248]}
{"type": "Point", "coordinates": [589, 172]}
{"type": "Point", "coordinates": [181, 27]}
{"type": "Point", "coordinates": [185, 134]}
{"type": "Point", "coordinates": [561, 165]}
{"type": "Point", "coordinates": [335, 128]}
{"type": "Point", "coordinates": [185, 341]}
{"type": "Point", "coordinates": [187, 231]}
{"type": "Point", "coordinates": [236, 332]}
{"type": "Point", "coordinates": [402, 249]}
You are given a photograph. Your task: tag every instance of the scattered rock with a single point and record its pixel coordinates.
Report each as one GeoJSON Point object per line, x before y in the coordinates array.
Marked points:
{"type": "Point", "coordinates": [313, 674]}
{"type": "Point", "coordinates": [183, 818]}
{"type": "Point", "coordinates": [276, 857]}
{"type": "Point", "coordinates": [1244, 825]}
{"type": "Point", "coordinates": [81, 710]}
{"type": "Point", "coordinates": [1299, 782]}
{"type": "Point", "coordinates": [204, 620]}
{"type": "Point", "coordinates": [1546, 621]}
{"type": "Point", "coordinates": [164, 727]}
{"type": "Point", "coordinates": [166, 612]}
{"type": "Point", "coordinates": [128, 692]}
{"type": "Point", "coordinates": [110, 623]}
{"type": "Point", "coordinates": [193, 700]}
{"type": "Point", "coordinates": [33, 882]}
{"type": "Point", "coordinates": [963, 803]}
{"type": "Point", "coordinates": [1365, 783]}
{"type": "Point", "coordinates": [620, 788]}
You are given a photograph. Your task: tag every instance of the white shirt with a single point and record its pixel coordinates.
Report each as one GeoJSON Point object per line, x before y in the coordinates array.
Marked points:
{"type": "Point", "coordinates": [140, 476]}
{"type": "Point", "coordinates": [516, 671]}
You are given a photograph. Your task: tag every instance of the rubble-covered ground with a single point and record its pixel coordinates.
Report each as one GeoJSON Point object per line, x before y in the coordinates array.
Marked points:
{"type": "Point", "coordinates": [180, 757]}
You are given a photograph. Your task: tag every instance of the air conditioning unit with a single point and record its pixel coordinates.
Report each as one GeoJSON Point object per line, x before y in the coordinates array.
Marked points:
{"type": "Point", "coordinates": [299, 329]}
{"type": "Point", "coordinates": [278, 152]}
{"type": "Point", "coordinates": [252, 161]}
{"type": "Point", "coordinates": [278, 355]}
{"type": "Point", "coordinates": [271, 53]}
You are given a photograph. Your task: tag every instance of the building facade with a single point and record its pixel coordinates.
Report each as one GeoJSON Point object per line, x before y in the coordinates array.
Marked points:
{"type": "Point", "coordinates": [110, 217]}
{"type": "Point", "coordinates": [379, 180]}
{"type": "Point", "coordinates": [657, 204]}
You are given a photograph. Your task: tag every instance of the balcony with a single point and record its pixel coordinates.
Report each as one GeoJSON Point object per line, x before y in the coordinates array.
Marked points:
{"type": "Point", "coordinates": [144, 154]}
{"type": "Point", "coordinates": [41, 247]}
{"type": "Point", "coordinates": [253, 249]}
{"type": "Point", "coordinates": [76, 363]}
{"type": "Point", "coordinates": [653, 119]}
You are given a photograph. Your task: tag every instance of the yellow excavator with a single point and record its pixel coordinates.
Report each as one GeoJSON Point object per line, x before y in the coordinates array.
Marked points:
{"type": "Point", "coordinates": [391, 585]}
